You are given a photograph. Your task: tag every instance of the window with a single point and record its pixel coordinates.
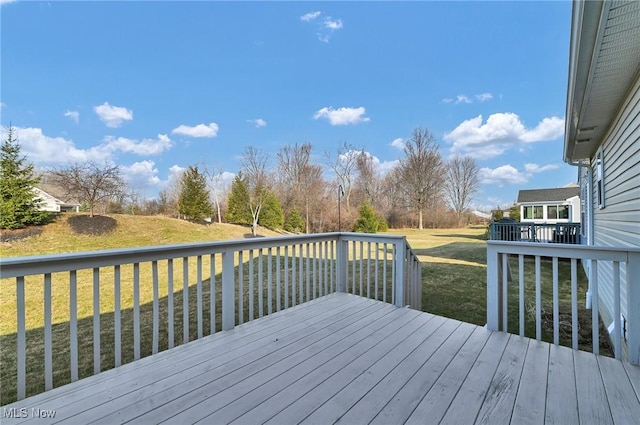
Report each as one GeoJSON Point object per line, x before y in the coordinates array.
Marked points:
{"type": "Point", "coordinates": [600, 178]}
{"type": "Point", "coordinates": [533, 212]}
{"type": "Point", "coordinates": [558, 212]}
{"type": "Point", "coordinates": [563, 212]}
{"type": "Point", "coordinates": [552, 212]}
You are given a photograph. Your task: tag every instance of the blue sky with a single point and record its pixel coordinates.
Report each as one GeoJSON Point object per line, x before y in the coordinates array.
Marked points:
{"type": "Point", "coordinates": [158, 86]}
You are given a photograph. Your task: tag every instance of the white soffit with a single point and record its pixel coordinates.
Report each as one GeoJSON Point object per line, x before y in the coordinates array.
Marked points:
{"type": "Point", "coordinates": [613, 67]}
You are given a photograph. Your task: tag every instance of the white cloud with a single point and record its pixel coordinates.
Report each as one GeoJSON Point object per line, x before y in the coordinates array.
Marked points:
{"type": "Point", "coordinates": [6, 1]}
{"type": "Point", "coordinates": [342, 116]}
{"type": "Point", "coordinates": [535, 168]}
{"type": "Point", "coordinates": [144, 147]}
{"type": "Point", "coordinates": [332, 24]}
{"type": "Point", "coordinates": [308, 17]}
{"type": "Point", "coordinates": [501, 176]}
{"type": "Point", "coordinates": [113, 116]}
{"type": "Point", "coordinates": [142, 175]}
{"type": "Point", "coordinates": [483, 97]}
{"type": "Point", "coordinates": [461, 98]}
{"type": "Point", "coordinates": [3, 105]}
{"type": "Point", "coordinates": [501, 132]}
{"type": "Point", "coordinates": [398, 143]}
{"type": "Point", "coordinates": [258, 122]}
{"type": "Point", "coordinates": [74, 115]}
{"type": "Point", "coordinates": [42, 149]}
{"type": "Point", "coordinates": [548, 129]}
{"type": "Point", "coordinates": [447, 100]}
{"type": "Point", "coordinates": [200, 130]}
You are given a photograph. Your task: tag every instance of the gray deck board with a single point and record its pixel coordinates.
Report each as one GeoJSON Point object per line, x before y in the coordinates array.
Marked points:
{"type": "Point", "coordinates": [562, 402]}
{"type": "Point", "coordinates": [343, 358]}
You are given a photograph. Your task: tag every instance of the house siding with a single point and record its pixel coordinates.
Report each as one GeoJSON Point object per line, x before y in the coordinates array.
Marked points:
{"type": "Point", "coordinates": [617, 223]}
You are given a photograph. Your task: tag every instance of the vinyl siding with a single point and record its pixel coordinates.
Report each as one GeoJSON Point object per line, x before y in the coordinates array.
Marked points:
{"type": "Point", "coordinates": [618, 223]}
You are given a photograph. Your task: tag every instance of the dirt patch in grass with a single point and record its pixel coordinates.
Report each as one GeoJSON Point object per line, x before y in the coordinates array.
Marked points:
{"type": "Point", "coordinates": [13, 235]}
{"type": "Point", "coordinates": [96, 225]}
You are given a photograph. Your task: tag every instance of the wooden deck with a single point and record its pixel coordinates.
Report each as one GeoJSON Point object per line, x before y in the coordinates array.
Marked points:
{"type": "Point", "coordinates": [352, 360]}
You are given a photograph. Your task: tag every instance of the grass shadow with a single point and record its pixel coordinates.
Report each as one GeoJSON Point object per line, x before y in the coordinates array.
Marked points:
{"type": "Point", "coordinates": [464, 251]}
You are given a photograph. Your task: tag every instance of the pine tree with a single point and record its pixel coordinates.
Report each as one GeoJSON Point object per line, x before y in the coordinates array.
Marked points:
{"type": "Point", "coordinates": [367, 221]}
{"type": "Point", "coordinates": [294, 222]}
{"type": "Point", "coordinates": [194, 202]}
{"type": "Point", "coordinates": [20, 206]}
{"type": "Point", "coordinates": [238, 211]}
{"type": "Point", "coordinates": [271, 215]}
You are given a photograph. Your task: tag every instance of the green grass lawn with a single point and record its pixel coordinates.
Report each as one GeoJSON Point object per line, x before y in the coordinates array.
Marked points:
{"type": "Point", "coordinates": [453, 274]}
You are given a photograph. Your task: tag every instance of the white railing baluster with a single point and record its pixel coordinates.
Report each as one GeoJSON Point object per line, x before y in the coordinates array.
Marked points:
{"type": "Point", "coordinates": [286, 277]}
{"type": "Point", "coordinates": [556, 301]}
{"type": "Point", "coordinates": [538, 301]}
{"type": "Point", "coordinates": [73, 324]}
{"type": "Point", "coordinates": [278, 289]}
{"type": "Point", "coordinates": [48, 351]}
{"type": "Point", "coordinates": [353, 268]}
{"type": "Point", "coordinates": [241, 288]}
{"type": "Point", "coordinates": [368, 269]}
{"type": "Point", "coordinates": [332, 283]}
{"type": "Point", "coordinates": [308, 269]}
{"type": "Point", "coordinates": [199, 295]}
{"type": "Point", "coordinates": [212, 293]}
{"type": "Point", "coordinates": [293, 276]}
{"type": "Point", "coordinates": [260, 290]}
{"type": "Point", "coordinates": [399, 271]}
{"type": "Point", "coordinates": [314, 292]}
{"type": "Point", "coordinates": [505, 290]}
{"type": "Point", "coordinates": [96, 320]}
{"type": "Point", "coordinates": [21, 342]}
{"type": "Point", "coordinates": [384, 275]}
{"type": "Point", "coordinates": [228, 290]}
{"type": "Point", "coordinates": [521, 292]}
{"type": "Point", "coordinates": [360, 270]}
{"type": "Point", "coordinates": [574, 303]}
{"type": "Point", "coordinates": [301, 275]}
{"type": "Point", "coordinates": [377, 270]}
{"type": "Point", "coordinates": [251, 291]}
{"type": "Point", "coordinates": [117, 317]}
{"type": "Point", "coordinates": [185, 300]}
{"type": "Point", "coordinates": [170, 322]}
{"type": "Point", "coordinates": [269, 281]}
{"type": "Point", "coordinates": [595, 299]}
{"type": "Point", "coordinates": [136, 311]}
{"type": "Point", "coordinates": [617, 343]}
{"type": "Point", "coordinates": [156, 307]}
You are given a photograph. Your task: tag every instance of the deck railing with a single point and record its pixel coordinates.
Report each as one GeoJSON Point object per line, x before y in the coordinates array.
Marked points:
{"type": "Point", "coordinates": [568, 233]}
{"type": "Point", "coordinates": [234, 282]}
{"type": "Point", "coordinates": [623, 289]}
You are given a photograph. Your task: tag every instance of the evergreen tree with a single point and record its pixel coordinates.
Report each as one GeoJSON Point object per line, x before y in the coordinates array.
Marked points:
{"type": "Point", "coordinates": [514, 212]}
{"type": "Point", "coordinates": [194, 202]}
{"type": "Point", "coordinates": [294, 222]}
{"type": "Point", "coordinates": [367, 221]}
{"type": "Point", "coordinates": [271, 215]}
{"type": "Point", "coordinates": [238, 211]}
{"type": "Point", "coordinates": [20, 206]}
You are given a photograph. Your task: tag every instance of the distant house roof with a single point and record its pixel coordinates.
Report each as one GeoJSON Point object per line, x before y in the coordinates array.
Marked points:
{"type": "Point", "coordinates": [548, 195]}
{"type": "Point", "coordinates": [52, 199]}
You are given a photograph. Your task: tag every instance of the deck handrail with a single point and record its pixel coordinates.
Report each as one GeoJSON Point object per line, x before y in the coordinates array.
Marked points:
{"type": "Point", "coordinates": [624, 263]}
{"type": "Point", "coordinates": [524, 231]}
{"type": "Point", "coordinates": [276, 273]}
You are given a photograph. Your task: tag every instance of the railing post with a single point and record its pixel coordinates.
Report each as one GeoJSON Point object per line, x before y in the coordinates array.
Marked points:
{"type": "Point", "coordinates": [494, 289]}
{"type": "Point", "coordinates": [228, 291]}
{"type": "Point", "coordinates": [633, 307]}
{"type": "Point", "coordinates": [399, 260]}
{"type": "Point", "coordinates": [492, 227]}
{"type": "Point", "coordinates": [342, 259]}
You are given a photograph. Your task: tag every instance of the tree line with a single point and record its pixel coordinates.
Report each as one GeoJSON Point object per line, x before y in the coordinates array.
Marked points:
{"type": "Point", "coordinates": [300, 191]}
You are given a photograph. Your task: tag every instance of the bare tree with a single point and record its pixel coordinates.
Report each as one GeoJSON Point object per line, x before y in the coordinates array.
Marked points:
{"type": "Point", "coordinates": [296, 176]}
{"type": "Point", "coordinates": [90, 183]}
{"type": "Point", "coordinates": [214, 181]}
{"type": "Point", "coordinates": [254, 166]}
{"type": "Point", "coordinates": [421, 172]}
{"type": "Point", "coordinates": [462, 183]}
{"type": "Point", "coordinates": [367, 181]}
{"type": "Point", "coordinates": [344, 166]}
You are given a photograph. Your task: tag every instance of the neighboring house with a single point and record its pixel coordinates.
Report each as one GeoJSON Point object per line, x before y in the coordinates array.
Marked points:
{"type": "Point", "coordinates": [51, 203]}
{"type": "Point", "coordinates": [603, 131]}
{"type": "Point", "coordinates": [561, 205]}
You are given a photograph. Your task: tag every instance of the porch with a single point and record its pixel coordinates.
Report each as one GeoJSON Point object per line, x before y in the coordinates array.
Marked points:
{"type": "Point", "coordinates": [345, 358]}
